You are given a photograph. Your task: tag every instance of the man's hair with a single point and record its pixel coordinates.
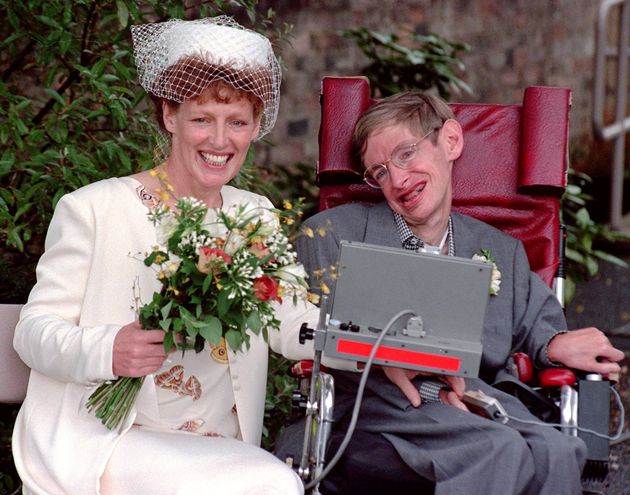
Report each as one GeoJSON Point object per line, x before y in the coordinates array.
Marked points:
{"type": "Point", "coordinates": [420, 112]}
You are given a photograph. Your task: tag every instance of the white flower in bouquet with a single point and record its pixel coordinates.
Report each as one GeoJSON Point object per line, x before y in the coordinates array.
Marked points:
{"type": "Point", "coordinates": [235, 241]}
{"type": "Point", "coordinates": [165, 228]}
{"type": "Point", "coordinates": [292, 273]}
{"type": "Point", "coordinates": [214, 226]}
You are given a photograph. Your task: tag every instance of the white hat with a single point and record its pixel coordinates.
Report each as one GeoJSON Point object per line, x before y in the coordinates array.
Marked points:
{"type": "Point", "coordinates": [226, 50]}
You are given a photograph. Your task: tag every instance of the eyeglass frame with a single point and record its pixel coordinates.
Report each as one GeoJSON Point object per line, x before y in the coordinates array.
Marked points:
{"type": "Point", "coordinates": [367, 176]}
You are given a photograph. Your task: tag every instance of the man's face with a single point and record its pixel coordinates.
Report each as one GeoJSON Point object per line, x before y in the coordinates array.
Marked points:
{"type": "Point", "coordinates": [421, 193]}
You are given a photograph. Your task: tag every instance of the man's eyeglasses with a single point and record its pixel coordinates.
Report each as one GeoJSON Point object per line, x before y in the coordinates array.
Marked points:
{"type": "Point", "coordinates": [402, 156]}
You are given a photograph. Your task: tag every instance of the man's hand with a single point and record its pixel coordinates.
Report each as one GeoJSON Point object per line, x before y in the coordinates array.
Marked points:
{"type": "Point", "coordinates": [585, 349]}
{"type": "Point", "coordinates": [137, 352]}
{"type": "Point", "coordinates": [402, 379]}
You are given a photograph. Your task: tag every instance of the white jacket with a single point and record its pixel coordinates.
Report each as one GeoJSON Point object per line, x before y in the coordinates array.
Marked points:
{"type": "Point", "coordinates": [83, 296]}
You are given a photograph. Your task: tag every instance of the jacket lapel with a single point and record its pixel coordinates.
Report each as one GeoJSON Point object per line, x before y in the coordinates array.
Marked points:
{"type": "Point", "coordinates": [466, 239]}
{"type": "Point", "coordinates": [381, 227]}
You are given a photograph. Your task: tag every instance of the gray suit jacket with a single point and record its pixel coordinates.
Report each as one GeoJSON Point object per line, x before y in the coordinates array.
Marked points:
{"type": "Point", "coordinates": [523, 316]}
{"type": "Point", "coordinates": [455, 450]}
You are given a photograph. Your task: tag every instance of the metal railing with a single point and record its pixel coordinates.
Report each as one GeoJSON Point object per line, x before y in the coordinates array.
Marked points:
{"type": "Point", "coordinates": [616, 130]}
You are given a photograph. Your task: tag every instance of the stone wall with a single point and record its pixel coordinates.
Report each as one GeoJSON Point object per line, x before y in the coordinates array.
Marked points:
{"type": "Point", "coordinates": [515, 44]}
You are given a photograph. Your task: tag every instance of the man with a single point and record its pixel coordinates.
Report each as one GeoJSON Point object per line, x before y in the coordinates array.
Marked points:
{"type": "Point", "coordinates": [408, 144]}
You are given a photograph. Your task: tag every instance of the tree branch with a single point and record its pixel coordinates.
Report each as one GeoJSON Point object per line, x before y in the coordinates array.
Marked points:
{"type": "Point", "coordinates": [20, 59]}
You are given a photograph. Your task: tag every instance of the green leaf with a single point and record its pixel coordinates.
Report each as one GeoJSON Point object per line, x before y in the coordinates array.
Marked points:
{"type": "Point", "coordinates": [234, 339]}
{"type": "Point", "coordinates": [4, 135]}
{"type": "Point", "coordinates": [582, 217]}
{"type": "Point", "coordinates": [56, 96]}
{"type": "Point", "coordinates": [254, 322]}
{"type": "Point", "coordinates": [206, 283]}
{"type": "Point", "coordinates": [109, 78]}
{"type": "Point", "coordinates": [165, 324]}
{"type": "Point", "coordinates": [169, 342]}
{"type": "Point", "coordinates": [602, 255]}
{"type": "Point", "coordinates": [49, 21]}
{"type": "Point", "coordinates": [223, 303]}
{"type": "Point", "coordinates": [166, 310]}
{"type": "Point", "coordinates": [20, 126]}
{"type": "Point", "coordinates": [591, 265]}
{"type": "Point", "coordinates": [150, 259]}
{"type": "Point", "coordinates": [21, 210]}
{"type": "Point", "coordinates": [14, 239]}
{"type": "Point", "coordinates": [211, 330]}
{"type": "Point", "coordinates": [123, 13]}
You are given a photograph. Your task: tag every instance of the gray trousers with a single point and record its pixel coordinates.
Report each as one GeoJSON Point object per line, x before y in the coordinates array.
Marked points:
{"type": "Point", "coordinates": [457, 451]}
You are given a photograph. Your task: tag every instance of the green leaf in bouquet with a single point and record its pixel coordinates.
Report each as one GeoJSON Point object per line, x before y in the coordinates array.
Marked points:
{"type": "Point", "coordinates": [233, 318]}
{"type": "Point", "coordinates": [178, 325]}
{"type": "Point", "coordinates": [254, 322]}
{"type": "Point", "coordinates": [196, 301]}
{"type": "Point", "coordinates": [169, 342]}
{"type": "Point", "coordinates": [235, 339]}
{"type": "Point", "coordinates": [166, 310]}
{"type": "Point", "coordinates": [188, 267]}
{"type": "Point", "coordinates": [165, 324]}
{"type": "Point", "coordinates": [190, 322]}
{"type": "Point", "coordinates": [149, 260]}
{"type": "Point", "coordinates": [192, 329]}
{"type": "Point", "coordinates": [224, 303]}
{"type": "Point", "coordinates": [185, 314]}
{"type": "Point", "coordinates": [206, 283]}
{"type": "Point", "coordinates": [211, 330]}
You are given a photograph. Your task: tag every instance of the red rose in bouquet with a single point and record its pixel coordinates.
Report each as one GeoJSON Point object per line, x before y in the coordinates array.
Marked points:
{"type": "Point", "coordinates": [266, 289]}
{"type": "Point", "coordinates": [210, 259]}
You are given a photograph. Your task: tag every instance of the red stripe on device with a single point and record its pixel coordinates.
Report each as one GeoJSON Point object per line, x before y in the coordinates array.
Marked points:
{"type": "Point", "coordinates": [403, 356]}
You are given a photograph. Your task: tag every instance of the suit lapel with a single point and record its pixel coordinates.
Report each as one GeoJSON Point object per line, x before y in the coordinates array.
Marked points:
{"type": "Point", "coordinates": [466, 239]}
{"type": "Point", "coordinates": [381, 227]}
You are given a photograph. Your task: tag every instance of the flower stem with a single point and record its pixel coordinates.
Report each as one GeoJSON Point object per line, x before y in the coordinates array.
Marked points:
{"type": "Point", "coordinates": [113, 400]}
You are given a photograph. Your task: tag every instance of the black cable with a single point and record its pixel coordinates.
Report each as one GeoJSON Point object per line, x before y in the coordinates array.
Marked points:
{"type": "Point", "coordinates": [613, 438]}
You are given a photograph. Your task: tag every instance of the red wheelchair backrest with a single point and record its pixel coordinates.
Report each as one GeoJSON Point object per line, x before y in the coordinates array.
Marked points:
{"type": "Point", "coordinates": [511, 174]}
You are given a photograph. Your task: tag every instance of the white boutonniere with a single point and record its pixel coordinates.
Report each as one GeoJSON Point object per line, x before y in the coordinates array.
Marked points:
{"type": "Point", "coordinates": [495, 282]}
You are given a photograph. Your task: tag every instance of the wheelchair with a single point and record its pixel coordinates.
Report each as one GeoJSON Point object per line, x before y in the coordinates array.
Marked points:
{"type": "Point", "coordinates": [511, 175]}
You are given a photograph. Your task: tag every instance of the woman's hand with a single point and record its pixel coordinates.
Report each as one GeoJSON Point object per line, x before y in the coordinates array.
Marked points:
{"type": "Point", "coordinates": [585, 349]}
{"type": "Point", "coordinates": [137, 352]}
{"type": "Point", "coordinates": [402, 379]}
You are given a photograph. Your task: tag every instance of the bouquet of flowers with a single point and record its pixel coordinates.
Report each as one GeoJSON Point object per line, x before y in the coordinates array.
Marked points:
{"type": "Point", "coordinates": [221, 273]}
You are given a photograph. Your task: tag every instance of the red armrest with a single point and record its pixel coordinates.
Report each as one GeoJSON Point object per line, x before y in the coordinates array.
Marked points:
{"type": "Point", "coordinates": [304, 369]}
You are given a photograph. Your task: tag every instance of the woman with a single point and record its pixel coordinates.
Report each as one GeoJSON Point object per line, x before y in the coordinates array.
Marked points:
{"type": "Point", "coordinates": [196, 422]}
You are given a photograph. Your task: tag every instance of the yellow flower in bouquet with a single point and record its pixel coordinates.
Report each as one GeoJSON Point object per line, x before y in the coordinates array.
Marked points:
{"type": "Point", "coordinates": [221, 274]}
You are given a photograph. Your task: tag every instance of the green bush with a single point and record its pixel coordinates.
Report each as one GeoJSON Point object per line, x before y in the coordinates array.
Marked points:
{"type": "Point", "coordinates": [586, 238]}
{"type": "Point", "coordinates": [72, 113]}
{"type": "Point", "coordinates": [412, 61]}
